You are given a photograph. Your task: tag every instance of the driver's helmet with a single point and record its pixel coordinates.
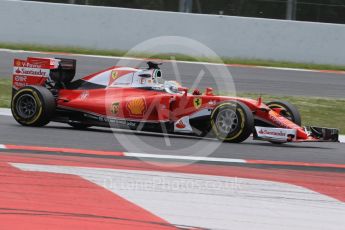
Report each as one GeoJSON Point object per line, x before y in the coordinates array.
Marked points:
{"type": "Point", "coordinates": [172, 87]}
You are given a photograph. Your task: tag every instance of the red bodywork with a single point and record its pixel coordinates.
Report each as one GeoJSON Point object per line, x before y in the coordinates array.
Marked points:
{"type": "Point", "coordinates": [126, 101]}
{"type": "Point", "coordinates": [157, 106]}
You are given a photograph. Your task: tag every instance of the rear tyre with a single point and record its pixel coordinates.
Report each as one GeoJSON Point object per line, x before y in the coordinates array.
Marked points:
{"type": "Point", "coordinates": [33, 106]}
{"type": "Point", "coordinates": [289, 111]}
{"type": "Point", "coordinates": [232, 122]}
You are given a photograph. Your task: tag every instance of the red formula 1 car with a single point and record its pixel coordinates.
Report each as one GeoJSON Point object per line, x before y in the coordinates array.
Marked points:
{"type": "Point", "coordinates": [131, 98]}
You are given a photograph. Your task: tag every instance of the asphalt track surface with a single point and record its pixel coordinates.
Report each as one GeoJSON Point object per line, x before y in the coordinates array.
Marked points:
{"type": "Point", "coordinates": [41, 192]}
{"type": "Point", "coordinates": [61, 135]}
{"type": "Point", "coordinates": [246, 79]}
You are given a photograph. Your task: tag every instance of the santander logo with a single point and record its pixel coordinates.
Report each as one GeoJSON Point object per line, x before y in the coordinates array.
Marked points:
{"type": "Point", "coordinates": [31, 71]}
{"type": "Point", "coordinates": [272, 133]}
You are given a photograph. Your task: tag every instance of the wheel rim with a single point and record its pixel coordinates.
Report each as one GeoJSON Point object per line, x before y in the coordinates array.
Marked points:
{"type": "Point", "coordinates": [26, 106]}
{"type": "Point", "coordinates": [227, 121]}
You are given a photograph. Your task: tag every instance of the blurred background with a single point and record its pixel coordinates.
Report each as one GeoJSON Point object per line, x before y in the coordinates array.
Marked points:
{"type": "Point", "coordinates": [328, 11]}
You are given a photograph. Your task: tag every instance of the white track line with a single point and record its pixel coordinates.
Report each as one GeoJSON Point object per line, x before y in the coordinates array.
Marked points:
{"type": "Point", "coordinates": [185, 62]}
{"type": "Point", "coordinates": [189, 158]}
{"type": "Point", "coordinates": [211, 201]}
{"type": "Point", "coordinates": [342, 138]}
{"type": "Point", "coordinates": [5, 112]}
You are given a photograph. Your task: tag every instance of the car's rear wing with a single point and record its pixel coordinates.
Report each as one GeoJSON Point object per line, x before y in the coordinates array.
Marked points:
{"type": "Point", "coordinates": [36, 71]}
{"type": "Point", "coordinates": [32, 71]}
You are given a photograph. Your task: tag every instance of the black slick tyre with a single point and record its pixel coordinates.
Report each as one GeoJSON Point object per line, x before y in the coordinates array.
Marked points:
{"type": "Point", "coordinates": [232, 121]}
{"type": "Point", "coordinates": [33, 106]}
{"type": "Point", "coordinates": [289, 111]}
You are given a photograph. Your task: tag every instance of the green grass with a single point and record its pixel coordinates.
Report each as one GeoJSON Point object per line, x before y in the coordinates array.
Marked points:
{"type": "Point", "coordinates": [80, 50]}
{"type": "Point", "coordinates": [326, 112]}
{"type": "Point", "coordinates": [5, 93]}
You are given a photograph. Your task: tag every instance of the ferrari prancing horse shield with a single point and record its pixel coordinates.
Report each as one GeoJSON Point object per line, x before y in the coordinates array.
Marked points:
{"type": "Point", "coordinates": [197, 102]}
{"type": "Point", "coordinates": [115, 107]}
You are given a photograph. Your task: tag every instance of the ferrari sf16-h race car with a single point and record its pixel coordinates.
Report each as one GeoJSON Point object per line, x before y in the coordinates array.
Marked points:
{"type": "Point", "coordinates": [134, 98]}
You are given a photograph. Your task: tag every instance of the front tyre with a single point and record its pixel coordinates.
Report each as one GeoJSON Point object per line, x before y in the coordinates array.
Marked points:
{"type": "Point", "coordinates": [288, 110]}
{"type": "Point", "coordinates": [33, 106]}
{"type": "Point", "coordinates": [232, 122]}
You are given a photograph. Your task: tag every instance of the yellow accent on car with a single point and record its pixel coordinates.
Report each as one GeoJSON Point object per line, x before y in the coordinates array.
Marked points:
{"type": "Point", "coordinates": [38, 102]}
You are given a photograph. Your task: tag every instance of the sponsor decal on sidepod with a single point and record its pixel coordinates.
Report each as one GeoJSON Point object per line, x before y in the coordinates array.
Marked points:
{"type": "Point", "coordinates": [137, 106]}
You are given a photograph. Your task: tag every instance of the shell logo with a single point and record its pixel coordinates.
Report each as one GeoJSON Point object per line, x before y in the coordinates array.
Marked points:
{"type": "Point", "coordinates": [137, 106]}
{"type": "Point", "coordinates": [18, 63]}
